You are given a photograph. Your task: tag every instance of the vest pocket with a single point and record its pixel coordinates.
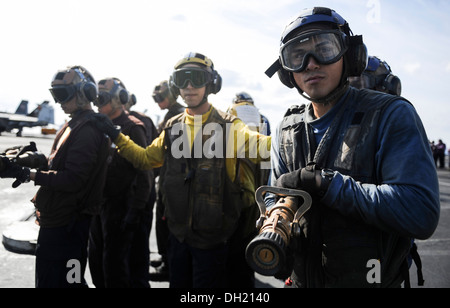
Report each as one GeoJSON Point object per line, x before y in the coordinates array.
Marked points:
{"type": "Point", "coordinates": [345, 155]}
{"type": "Point", "coordinates": [208, 205]}
{"type": "Point", "coordinates": [176, 200]}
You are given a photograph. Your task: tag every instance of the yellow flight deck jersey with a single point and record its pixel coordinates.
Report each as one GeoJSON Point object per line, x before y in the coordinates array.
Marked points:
{"type": "Point", "coordinates": [243, 142]}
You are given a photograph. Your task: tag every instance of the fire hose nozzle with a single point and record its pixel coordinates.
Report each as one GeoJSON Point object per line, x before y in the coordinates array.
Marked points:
{"type": "Point", "coordinates": [266, 253]}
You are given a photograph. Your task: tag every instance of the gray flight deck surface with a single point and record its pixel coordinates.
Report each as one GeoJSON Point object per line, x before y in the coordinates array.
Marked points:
{"type": "Point", "coordinates": [17, 270]}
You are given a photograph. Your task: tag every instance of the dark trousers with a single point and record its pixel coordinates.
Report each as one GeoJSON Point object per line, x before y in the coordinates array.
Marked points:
{"type": "Point", "coordinates": [239, 274]}
{"type": "Point", "coordinates": [140, 254]}
{"type": "Point", "coordinates": [109, 249]}
{"type": "Point", "coordinates": [161, 228]}
{"type": "Point", "coordinates": [140, 247]}
{"type": "Point", "coordinates": [441, 157]}
{"type": "Point", "coordinates": [196, 268]}
{"type": "Point", "coordinates": [61, 255]}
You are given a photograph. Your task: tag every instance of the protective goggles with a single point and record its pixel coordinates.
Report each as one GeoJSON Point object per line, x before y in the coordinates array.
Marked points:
{"type": "Point", "coordinates": [159, 96]}
{"type": "Point", "coordinates": [196, 76]}
{"type": "Point", "coordinates": [63, 94]}
{"type": "Point", "coordinates": [326, 47]}
{"type": "Point", "coordinates": [103, 99]}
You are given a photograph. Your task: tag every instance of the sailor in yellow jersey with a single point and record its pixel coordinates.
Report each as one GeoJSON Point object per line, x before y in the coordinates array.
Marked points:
{"type": "Point", "coordinates": [153, 156]}
{"type": "Point", "coordinates": [205, 188]}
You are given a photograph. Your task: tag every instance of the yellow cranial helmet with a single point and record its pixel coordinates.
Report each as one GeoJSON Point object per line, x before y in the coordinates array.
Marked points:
{"type": "Point", "coordinates": [195, 58]}
{"type": "Point", "coordinates": [204, 75]}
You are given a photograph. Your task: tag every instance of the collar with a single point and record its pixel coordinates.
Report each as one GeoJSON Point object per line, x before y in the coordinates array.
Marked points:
{"type": "Point", "coordinates": [189, 119]}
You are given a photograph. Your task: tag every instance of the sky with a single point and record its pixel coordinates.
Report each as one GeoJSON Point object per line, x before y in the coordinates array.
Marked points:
{"type": "Point", "coordinates": [139, 41]}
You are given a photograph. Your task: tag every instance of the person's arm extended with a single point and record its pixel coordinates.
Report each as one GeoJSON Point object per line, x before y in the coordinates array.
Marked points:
{"type": "Point", "coordinates": [142, 158]}
{"type": "Point", "coordinates": [246, 143]}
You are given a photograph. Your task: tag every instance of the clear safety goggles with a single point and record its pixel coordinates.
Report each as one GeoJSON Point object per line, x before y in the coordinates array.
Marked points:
{"type": "Point", "coordinates": [63, 94]}
{"type": "Point", "coordinates": [196, 76]}
{"type": "Point", "coordinates": [326, 47]}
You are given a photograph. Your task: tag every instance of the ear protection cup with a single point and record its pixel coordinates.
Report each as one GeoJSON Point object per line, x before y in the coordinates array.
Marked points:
{"type": "Point", "coordinates": [285, 78]}
{"type": "Point", "coordinates": [357, 56]}
{"type": "Point", "coordinates": [392, 85]}
{"type": "Point", "coordinates": [133, 100]}
{"type": "Point", "coordinates": [89, 91]}
{"type": "Point", "coordinates": [87, 87]}
{"type": "Point", "coordinates": [123, 96]}
{"type": "Point", "coordinates": [173, 89]}
{"type": "Point", "coordinates": [216, 84]}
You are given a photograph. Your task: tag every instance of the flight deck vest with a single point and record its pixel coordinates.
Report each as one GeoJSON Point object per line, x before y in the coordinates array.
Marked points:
{"type": "Point", "coordinates": [121, 173]}
{"type": "Point", "coordinates": [335, 249]}
{"type": "Point", "coordinates": [202, 203]}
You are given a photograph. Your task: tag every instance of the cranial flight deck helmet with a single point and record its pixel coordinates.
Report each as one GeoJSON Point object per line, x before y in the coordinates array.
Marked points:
{"type": "Point", "coordinates": [112, 90]}
{"type": "Point", "coordinates": [243, 97]}
{"type": "Point", "coordinates": [378, 76]}
{"type": "Point", "coordinates": [204, 75]}
{"type": "Point", "coordinates": [75, 80]}
{"type": "Point", "coordinates": [162, 91]}
{"type": "Point", "coordinates": [345, 44]}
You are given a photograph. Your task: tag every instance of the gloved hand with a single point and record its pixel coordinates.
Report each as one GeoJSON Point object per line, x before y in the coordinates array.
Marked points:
{"type": "Point", "coordinates": [105, 124]}
{"type": "Point", "coordinates": [27, 156]}
{"type": "Point", "coordinates": [14, 171]}
{"type": "Point", "coordinates": [33, 160]}
{"type": "Point", "coordinates": [309, 179]}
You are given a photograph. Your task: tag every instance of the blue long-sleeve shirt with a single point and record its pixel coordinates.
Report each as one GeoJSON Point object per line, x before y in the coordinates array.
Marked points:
{"type": "Point", "coordinates": [405, 201]}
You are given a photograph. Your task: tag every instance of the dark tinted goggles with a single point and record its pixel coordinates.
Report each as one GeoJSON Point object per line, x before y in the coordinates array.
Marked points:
{"type": "Point", "coordinates": [159, 96]}
{"type": "Point", "coordinates": [326, 47]}
{"type": "Point", "coordinates": [63, 94]}
{"type": "Point", "coordinates": [197, 77]}
{"type": "Point", "coordinates": [103, 98]}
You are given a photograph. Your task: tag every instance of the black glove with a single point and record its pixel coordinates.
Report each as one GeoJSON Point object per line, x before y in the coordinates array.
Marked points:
{"type": "Point", "coordinates": [14, 171]}
{"type": "Point", "coordinates": [33, 160]}
{"type": "Point", "coordinates": [311, 179]}
{"type": "Point", "coordinates": [20, 149]}
{"type": "Point", "coordinates": [27, 156]}
{"type": "Point", "coordinates": [105, 124]}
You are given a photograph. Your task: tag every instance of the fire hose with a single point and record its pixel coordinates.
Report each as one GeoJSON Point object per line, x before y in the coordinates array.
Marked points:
{"type": "Point", "coordinates": [266, 253]}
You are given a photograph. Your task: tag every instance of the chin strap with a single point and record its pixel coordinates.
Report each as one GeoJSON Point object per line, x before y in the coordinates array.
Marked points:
{"type": "Point", "coordinates": [204, 100]}
{"type": "Point", "coordinates": [333, 96]}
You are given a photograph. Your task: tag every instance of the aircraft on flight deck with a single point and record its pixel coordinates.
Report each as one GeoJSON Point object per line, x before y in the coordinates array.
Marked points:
{"type": "Point", "coordinates": [43, 115]}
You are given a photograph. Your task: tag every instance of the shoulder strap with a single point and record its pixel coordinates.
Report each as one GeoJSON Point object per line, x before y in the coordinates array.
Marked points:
{"type": "Point", "coordinates": [293, 116]}
{"type": "Point", "coordinates": [176, 119]}
{"type": "Point", "coordinates": [417, 260]}
{"type": "Point", "coordinates": [227, 117]}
